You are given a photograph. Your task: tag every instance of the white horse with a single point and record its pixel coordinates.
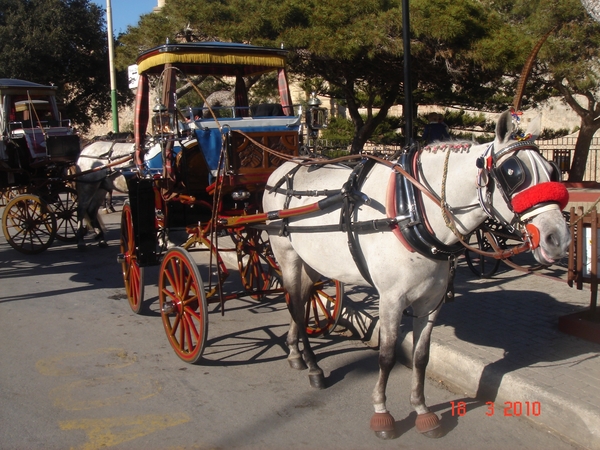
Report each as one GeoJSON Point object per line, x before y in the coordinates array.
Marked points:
{"type": "Point", "coordinates": [405, 248]}
{"type": "Point", "coordinates": [98, 173]}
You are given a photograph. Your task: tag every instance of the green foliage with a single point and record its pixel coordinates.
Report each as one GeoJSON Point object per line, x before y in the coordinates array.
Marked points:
{"type": "Point", "coordinates": [59, 42]}
{"type": "Point", "coordinates": [547, 134]}
{"type": "Point", "coordinates": [338, 128]}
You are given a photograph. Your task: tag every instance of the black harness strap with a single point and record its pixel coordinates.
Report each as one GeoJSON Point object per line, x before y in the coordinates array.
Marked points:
{"type": "Point", "coordinates": [352, 195]}
{"type": "Point", "coordinates": [348, 196]}
{"type": "Point", "coordinates": [413, 228]}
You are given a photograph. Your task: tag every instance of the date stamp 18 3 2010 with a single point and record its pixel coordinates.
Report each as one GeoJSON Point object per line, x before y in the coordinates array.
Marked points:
{"type": "Point", "coordinates": [511, 409]}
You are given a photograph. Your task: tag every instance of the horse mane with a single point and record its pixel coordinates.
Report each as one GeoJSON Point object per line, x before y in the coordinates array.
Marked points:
{"type": "Point", "coordinates": [453, 146]}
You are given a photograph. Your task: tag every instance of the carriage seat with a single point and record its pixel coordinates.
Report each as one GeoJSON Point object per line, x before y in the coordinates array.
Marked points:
{"type": "Point", "coordinates": [266, 110]}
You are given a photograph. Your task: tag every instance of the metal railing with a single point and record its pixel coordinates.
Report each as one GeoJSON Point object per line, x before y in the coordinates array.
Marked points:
{"type": "Point", "coordinates": [560, 150]}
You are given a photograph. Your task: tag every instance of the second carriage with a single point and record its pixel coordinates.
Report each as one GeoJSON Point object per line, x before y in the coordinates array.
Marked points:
{"type": "Point", "coordinates": [202, 166]}
{"type": "Point", "coordinates": [37, 149]}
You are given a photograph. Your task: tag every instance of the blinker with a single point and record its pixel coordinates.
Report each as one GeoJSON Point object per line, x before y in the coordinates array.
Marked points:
{"type": "Point", "coordinates": [510, 175]}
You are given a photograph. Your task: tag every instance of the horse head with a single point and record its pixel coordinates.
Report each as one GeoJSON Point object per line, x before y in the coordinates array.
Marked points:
{"type": "Point", "coordinates": [519, 188]}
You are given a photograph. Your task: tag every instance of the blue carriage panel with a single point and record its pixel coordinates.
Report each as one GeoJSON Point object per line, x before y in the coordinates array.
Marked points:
{"type": "Point", "coordinates": [210, 139]}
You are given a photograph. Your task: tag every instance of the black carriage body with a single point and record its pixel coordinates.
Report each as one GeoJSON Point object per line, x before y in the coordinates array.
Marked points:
{"type": "Point", "coordinates": [36, 143]}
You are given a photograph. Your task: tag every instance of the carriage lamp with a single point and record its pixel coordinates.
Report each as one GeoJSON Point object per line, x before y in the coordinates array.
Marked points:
{"type": "Point", "coordinates": [316, 118]}
{"type": "Point", "coordinates": [316, 115]}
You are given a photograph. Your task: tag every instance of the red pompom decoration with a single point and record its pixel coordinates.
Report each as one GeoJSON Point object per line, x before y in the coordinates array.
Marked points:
{"type": "Point", "coordinates": [551, 191]}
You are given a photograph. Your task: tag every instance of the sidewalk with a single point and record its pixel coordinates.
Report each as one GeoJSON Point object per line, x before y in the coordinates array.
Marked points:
{"type": "Point", "coordinates": [499, 341]}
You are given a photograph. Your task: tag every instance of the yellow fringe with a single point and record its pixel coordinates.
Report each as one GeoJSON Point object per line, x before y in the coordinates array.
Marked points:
{"type": "Point", "coordinates": [209, 58]}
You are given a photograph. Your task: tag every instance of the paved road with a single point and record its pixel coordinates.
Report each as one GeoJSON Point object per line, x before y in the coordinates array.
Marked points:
{"type": "Point", "coordinates": [80, 370]}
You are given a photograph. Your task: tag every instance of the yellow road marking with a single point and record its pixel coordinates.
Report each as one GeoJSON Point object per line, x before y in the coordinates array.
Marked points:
{"type": "Point", "coordinates": [104, 391]}
{"type": "Point", "coordinates": [117, 430]}
{"type": "Point", "coordinates": [58, 365]}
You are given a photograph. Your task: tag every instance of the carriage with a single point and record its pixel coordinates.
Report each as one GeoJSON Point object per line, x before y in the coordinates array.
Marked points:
{"type": "Point", "coordinates": [226, 175]}
{"type": "Point", "coordinates": [37, 148]}
{"type": "Point", "coordinates": [202, 168]}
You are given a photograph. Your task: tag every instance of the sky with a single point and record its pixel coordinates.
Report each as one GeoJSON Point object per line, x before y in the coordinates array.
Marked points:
{"type": "Point", "coordinates": [127, 12]}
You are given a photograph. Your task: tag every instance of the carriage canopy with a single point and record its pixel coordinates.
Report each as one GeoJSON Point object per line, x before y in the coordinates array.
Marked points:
{"type": "Point", "coordinates": [219, 59]}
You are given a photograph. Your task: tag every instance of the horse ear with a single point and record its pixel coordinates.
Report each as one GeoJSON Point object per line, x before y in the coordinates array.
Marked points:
{"type": "Point", "coordinates": [534, 128]}
{"type": "Point", "coordinates": [504, 127]}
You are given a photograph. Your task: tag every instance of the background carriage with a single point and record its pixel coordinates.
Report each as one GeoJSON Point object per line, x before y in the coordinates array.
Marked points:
{"type": "Point", "coordinates": [37, 147]}
{"type": "Point", "coordinates": [202, 168]}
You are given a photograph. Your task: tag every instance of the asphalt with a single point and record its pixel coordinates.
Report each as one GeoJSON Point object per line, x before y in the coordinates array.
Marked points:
{"type": "Point", "coordinates": [499, 341]}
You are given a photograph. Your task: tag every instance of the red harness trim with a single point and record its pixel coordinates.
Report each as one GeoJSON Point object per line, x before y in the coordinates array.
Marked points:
{"type": "Point", "coordinates": [390, 210]}
{"type": "Point", "coordinates": [551, 191]}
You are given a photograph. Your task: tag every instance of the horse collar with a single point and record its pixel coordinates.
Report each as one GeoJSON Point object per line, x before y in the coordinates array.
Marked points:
{"type": "Point", "coordinates": [407, 208]}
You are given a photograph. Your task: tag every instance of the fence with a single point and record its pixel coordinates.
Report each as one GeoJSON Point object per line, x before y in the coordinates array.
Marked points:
{"type": "Point", "coordinates": [560, 150]}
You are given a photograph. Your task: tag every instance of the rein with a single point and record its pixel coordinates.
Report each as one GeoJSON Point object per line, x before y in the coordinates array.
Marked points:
{"type": "Point", "coordinates": [498, 253]}
{"type": "Point", "coordinates": [99, 168]}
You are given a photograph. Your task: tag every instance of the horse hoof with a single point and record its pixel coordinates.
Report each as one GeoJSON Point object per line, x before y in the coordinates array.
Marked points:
{"type": "Point", "coordinates": [383, 425]}
{"type": "Point", "coordinates": [102, 244]}
{"type": "Point", "coordinates": [428, 424]}
{"type": "Point", "coordinates": [317, 380]}
{"type": "Point", "coordinates": [297, 363]}
{"type": "Point", "coordinates": [385, 435]}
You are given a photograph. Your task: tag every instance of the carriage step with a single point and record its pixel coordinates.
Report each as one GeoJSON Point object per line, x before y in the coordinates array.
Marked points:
{"type": "Point", "coordinates": [120, 258]}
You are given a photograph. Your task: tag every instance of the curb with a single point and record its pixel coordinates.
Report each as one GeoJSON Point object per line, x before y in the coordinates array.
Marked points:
{"type": "Point", "coordinates": [569, 418]}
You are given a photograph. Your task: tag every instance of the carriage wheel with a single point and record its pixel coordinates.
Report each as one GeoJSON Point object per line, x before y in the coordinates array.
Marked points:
{"type": "Point", "coordinates": [218, 270]}
{"type": "Point", "coordinates": [183, 306]}
{"type": "Point", "coordinates": [133, 274]}
{"type": "Point", "coordinates": [256, 263]}
{"type": "Point", "coordinates": [324, 307]}
{"type": "Point", "coordinates": [480, 265]}
{"type": "Point", "coordinates": [28, 224]}
{"type": "Point", "coordinates": [7, 194]}
{"type": "Point", "coordinates": [64, 204]}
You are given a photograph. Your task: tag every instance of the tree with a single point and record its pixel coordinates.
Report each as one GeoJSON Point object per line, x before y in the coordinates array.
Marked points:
{"type": "Point", "coordinates": [353, 50]}
{"type": "Point", "coordinates": [567, 64]}
{"type": "Point", "coordinates": [64, 43]}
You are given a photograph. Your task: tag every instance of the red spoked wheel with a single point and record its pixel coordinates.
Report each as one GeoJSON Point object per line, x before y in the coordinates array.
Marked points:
{"type": "Point", "coordinates": [324, 307]}
{"type": "Point", "coordinates": [133, 274]}
{"type": "Point", "coordinates": [256, 263]}
{"type": "Point", "coordinates": [28, 224]}
{"type": "Point", "coordinates": [183, 305]}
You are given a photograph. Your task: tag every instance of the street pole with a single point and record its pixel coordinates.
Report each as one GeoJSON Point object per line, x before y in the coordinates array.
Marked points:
{"type": "Point", "coordinates": [408, 104]}
{"type": "Point", "coordinates": [111, 63]}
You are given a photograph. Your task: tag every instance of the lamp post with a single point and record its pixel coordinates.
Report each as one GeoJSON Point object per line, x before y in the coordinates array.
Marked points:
{"type": "Point", "coordinates": [408, 103]}
{"type": "Point", "coordinates": [111, 63]}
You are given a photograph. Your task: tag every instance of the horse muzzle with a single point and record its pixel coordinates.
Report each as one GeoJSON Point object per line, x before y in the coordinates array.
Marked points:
{"type": "Point", "coordinates": [549, 237]}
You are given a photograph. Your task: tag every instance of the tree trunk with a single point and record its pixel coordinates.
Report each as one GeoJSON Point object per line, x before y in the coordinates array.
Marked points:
{"type": "Point", "coordinates": [582, 150]}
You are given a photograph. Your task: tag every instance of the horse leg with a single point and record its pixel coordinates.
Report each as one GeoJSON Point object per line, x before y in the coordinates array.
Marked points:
{"type": "Point", "coordinates": [92, 211]}
{"type": "Point", "coordinates": [299, 293]}
{"type": "Point", "coordinates": [84, 195]}
{"type": "Point", "coordinates": [427, 422]}
{"type": "Point", "coordinates": [295, 356]}
{"type": "Point", "coordinates": [382, 422]}
{"type": "Point", "coordinates": [298, 280]}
